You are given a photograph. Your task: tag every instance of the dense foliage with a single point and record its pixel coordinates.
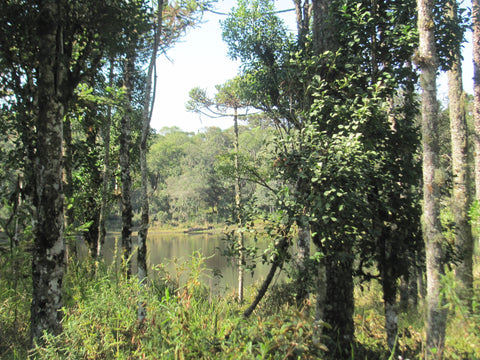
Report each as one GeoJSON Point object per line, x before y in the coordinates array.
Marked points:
{"type": "Point", "coordinates": [331, 155]}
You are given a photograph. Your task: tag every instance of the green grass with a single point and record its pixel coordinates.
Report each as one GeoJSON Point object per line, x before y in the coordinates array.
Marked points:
{"type": "Point", "coordinates": [185, 321]}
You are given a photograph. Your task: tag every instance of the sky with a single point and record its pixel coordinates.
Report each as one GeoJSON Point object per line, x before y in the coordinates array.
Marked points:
{"type": "Point", "coordinates": [200, 59]}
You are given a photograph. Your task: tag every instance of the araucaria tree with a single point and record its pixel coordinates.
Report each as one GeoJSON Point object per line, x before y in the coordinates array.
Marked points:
{"type": "Point", "coordinates": [228, 101]}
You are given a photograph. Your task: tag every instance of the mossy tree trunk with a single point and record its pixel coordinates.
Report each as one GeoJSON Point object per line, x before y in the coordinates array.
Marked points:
{"type": "Point", "coordinates": [461, 201]}
{"type": "Point", "coordinates": [49, 250]}
{"type": "Point", "coordinates": [432, 231]}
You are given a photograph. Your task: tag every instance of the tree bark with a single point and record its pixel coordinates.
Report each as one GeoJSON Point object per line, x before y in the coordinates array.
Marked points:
{"type": "Point", "coordinates": [323, 33]}
{"type": "Point", "coordinates": [303, 254]}
{"type": "Point", "coordinates": [339, 303]}
{"type": "Point", "coordinates": [476, 91]}
{"type": "Point", "coordinates": [461, 200]}
{"type": "Point", "coordinates": [427, 60]}
{"type": "Point", "coordinates": [70, 242]}
{"type": "Point", "coordinates": [390, 289]}
{"type": "Point", "coordinates": [125, 145]}
{"type": "Point", "coordinates": [49, 249]}
{"type": "Point", "coordinates": [335, 302]}
{"type": "Point", "coordinates": [337, 273]}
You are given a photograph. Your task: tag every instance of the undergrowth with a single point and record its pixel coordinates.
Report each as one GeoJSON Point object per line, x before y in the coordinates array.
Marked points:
{"type": "Point", "coordinates": [185, 321]}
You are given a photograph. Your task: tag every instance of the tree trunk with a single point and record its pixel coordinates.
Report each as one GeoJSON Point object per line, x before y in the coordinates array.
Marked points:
{"type": "Point", "coordinates": [337, 273]}
{"type": "Point", "coordinates": [125, 145]}
{"type": "Point", "coordinates": [238, 213]}
{"type": "Point", "coordinates": [335, 302]}
{"type": "Point", "coordinates": [409, 288]}
{"type": "Point", "coordinates": [339, 303]}
{"type": "Point", "coordinates": [146, 118]}
{"type": "Point", "coordinates": [390, 288]}
{"type": "Point", "coordinates": [461, 200]}
{"type": "Point", "coordinates": [48, 253]}
{"type": "Point", "coordinates": [321, 287]}
{"type": "Point", "coordinates": [303, 12]}
{"type": "Point", "coordinates": [323, 33]}
{"type": "Point", "coordinates": [106, 169]}
{"type": "Point", "coordinates": [303, 254]}
{"type": "Point", "coordinates": [432, 232]}
{"type": "Point", "coordinates": [92, 207]}
{"type": "Point", "coordinates": [70, 242]}
{"type": "Point", "coordinates": [476, 91]}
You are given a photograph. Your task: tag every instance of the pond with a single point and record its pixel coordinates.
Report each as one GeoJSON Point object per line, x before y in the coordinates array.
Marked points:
{"type": "Point", "coordinates": [174, 250]}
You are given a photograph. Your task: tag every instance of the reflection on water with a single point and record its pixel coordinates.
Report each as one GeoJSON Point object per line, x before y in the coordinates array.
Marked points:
{"type": "Point", "coordinates": [165, 248]}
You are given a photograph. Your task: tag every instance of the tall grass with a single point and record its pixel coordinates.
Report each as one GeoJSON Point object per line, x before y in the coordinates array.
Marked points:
{"type": "Point", "coordinates": [186, 321]}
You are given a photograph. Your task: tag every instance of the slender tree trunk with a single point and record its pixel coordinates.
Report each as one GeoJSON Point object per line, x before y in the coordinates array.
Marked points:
{"type": "Point", "coordinates": [125, 145]}
{"type": "Point", "coordinates": [303, 254]}
{"type": "Point", "coordinates": [238, 213]}
{"type": "Point", "coordinates": [303, 276]}
{"type": "Point", "coordinates": [427, 60]}
{"type": "Point", "coordinates": [321, 287]}
{"type": "Point", "coordinates": [461, 173]}
{"type": "Point", "coordinates": [92, 210]}
{"type": "Point", "coordinates": [70, 242]}
{"type": "Point", "coordinates": [390, 289]}
{"type": "Point", "coordinates": [476, 91]}
{"type": "Point", "coordinates": [106, 169]}
{"type": "Point", "coordinates": [49, 251]}
{"type": "Point", "coordinates": [146, 118]}
{"type": "Point", "coordinates": [409, 289]}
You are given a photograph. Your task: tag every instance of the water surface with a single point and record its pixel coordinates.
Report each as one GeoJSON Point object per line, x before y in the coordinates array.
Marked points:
{"type": "Point", "coordinates": [174, 250]}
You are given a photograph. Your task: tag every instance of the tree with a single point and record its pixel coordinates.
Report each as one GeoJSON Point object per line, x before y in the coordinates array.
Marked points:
{"type": "Point", "coordinates": [50, 47]}
{"type": "Point", "coordinates": [172, 21]}
{"type": "Point", "coordinates": [259, 38]}
{"type": "Point", "coordinates": [124, 157]}
{"type": "Point", "coordinates": [106, 134]}
{"type": "Point", "coordinates": [227, 98]}
{"type": "Point", "coordinates": [428, 62]}
{"type": "Point", "coordinates": [146, 118]}
{"type": "Point", "coordinates": [461, 200]}
{"type": "Point", "coordinates": [328, 99]}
